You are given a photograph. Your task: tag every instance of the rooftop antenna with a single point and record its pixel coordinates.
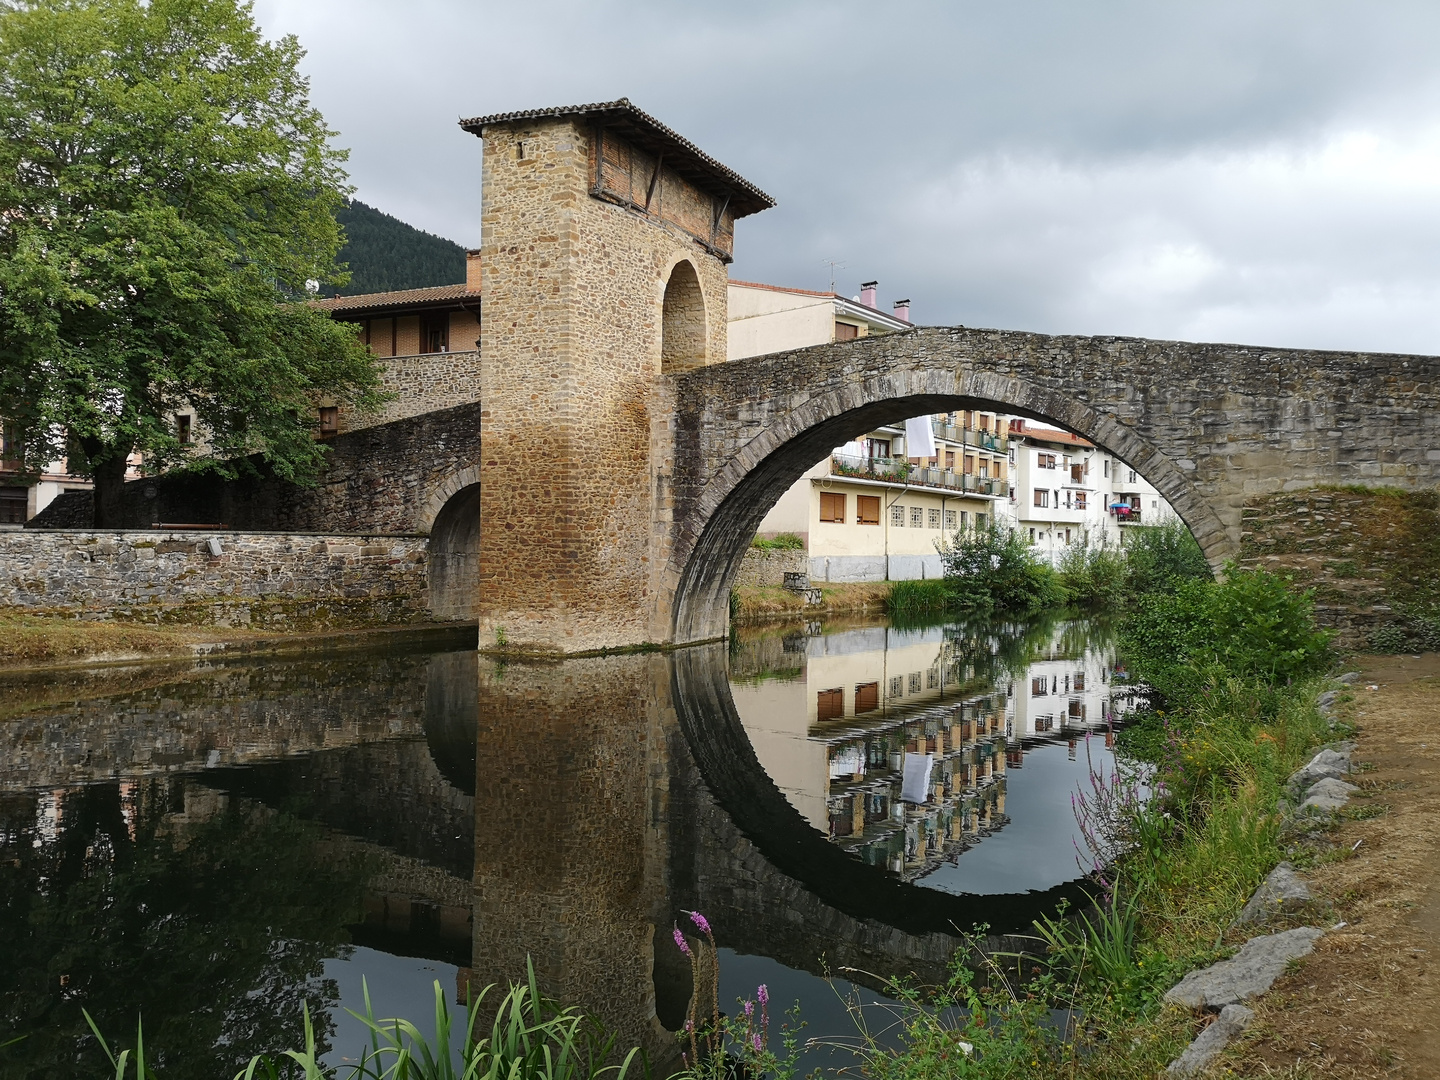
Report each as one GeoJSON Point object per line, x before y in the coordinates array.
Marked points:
{"type": "Point", "coordinates": [834, 264]}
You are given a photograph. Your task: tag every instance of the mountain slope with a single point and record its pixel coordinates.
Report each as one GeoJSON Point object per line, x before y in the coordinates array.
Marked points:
{"type": "Point", "coordinates": [385, 254]}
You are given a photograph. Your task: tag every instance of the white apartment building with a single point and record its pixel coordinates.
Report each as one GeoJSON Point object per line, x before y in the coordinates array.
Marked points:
{"type": "Point", "coordinates": [1065, 489]}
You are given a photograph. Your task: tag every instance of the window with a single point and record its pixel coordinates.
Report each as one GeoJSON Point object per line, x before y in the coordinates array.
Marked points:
{"type": "Point", "coordinates": [1069, 500]}
{"type": "Point", "coordinates": [1132, 476]}
{"type": "Point", "coordinates": [1107, 468]}
{"type": "Point", "coordinates": [897, 517]}
{"type": "Point", "coordinates": [979, 521]}
{"type": "Point", "coordinates": [969, 464]}
{"type": "Point", "coordinates": [867, 697]}
{"type": "Point", "coordinates": [951, 520]}
{"type": "Point", "coordinates": [1032, 536]}
{"type": "Point", "coordinates": [329, 419]}
{"type": "Point", "coordinates": [846, 331]}
{"type": "Point", "coordinates": [182, 428]}
{"type": "Point", "coordinates": [1042, 497]}
{"type": "Point", "coordinates": [914, 682]}
{"type": "Point", "coordinates": [832, 507]}
{"type": "Point", "coordinates": [1045, 461]}
{"type": "Point", "coordinates": [1045, 723]}
{"type": "Point", "coordinates": [1079, 500]}
{"type": "Point", "coordinates": [1039, 687]}
{"type": "Point", "coordinates": [932, 679]}
{"type": "Point", "coordinates": [1079, 682]}
{"type": "Point", "coordinates": [964, 518]}
{"type": "Point", "coordinates": [878, 447]}
{"type": "Point", "coordinates": [950, 459]}
{"type": "Point", "coordinates": [1077, 474]}
{"type": "Point", "coordinates": [830, 704]}
{"type": "Point", "coordinates": [1077, 711]}
{"type": "Point", "coordinates": [933, 518]}
{"type": "Point", "coordinates": [917, 517]}
{"type": "Point", "coordinates": [985, 468]}
{"type": "Point", "coordinates": [1067, 536]}
{"type": "Point", "coordinates": [867, 509]}
{"type": "Point", "coordinates": [13, 503]}
{"type": "Point", "coordinates": [897, 686]}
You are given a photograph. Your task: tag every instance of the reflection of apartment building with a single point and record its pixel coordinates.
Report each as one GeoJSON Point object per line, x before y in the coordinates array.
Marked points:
{"type": "Point", "coordinates": [835, 737]}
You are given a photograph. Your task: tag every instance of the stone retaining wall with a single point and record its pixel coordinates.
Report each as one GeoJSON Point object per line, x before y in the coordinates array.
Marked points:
{"type": "Point", "coordinates": [767, 569]}
{"type": "Point", "coordinates": [263, 580]}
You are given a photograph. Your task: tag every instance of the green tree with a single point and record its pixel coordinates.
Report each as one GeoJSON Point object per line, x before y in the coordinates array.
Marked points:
{"type": "Point", "coordinates": [990, 568]}
{"type": "Point", "coordinates": [167, 202]}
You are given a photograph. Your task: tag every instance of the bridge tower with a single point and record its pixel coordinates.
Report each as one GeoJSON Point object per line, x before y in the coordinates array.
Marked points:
{"type": "Point", "coordinates": [604, 243]}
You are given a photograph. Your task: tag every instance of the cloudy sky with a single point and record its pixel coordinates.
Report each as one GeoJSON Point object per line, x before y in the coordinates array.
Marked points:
{"type": "Point", "coordinates": [1234, 170]}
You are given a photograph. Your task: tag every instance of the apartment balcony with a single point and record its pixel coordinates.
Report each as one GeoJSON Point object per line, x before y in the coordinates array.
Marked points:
{"type": "Point", "coordinates": [900, 471]}
{"type": "Point", "coordinates": [1125, 515]}
{"type": "Point", "coordinates": [984, 440]}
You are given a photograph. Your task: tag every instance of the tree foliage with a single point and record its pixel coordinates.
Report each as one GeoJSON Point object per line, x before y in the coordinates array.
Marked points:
{"type": "Point", "coordinates": [990, 568]}
{"type": "Point", "coordinates": [167, 194]}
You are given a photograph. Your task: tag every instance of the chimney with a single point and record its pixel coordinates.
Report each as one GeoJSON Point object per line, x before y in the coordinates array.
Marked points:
{"type": "Point", "coordinates": [472, 270]}
{"type": "Point", "coordinates": [867, 293]}
{"type": "Point", "coordinates": [902, 310]}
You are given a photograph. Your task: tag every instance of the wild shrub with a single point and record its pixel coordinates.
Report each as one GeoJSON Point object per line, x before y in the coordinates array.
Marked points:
{"type": "Point", "coordinates": [1159, 557]}
{"type": "Point", "coordinates": [1092, 575]}
{"type": "Point", "coordinates": [779, 542]}
{"type": "Point", "coordinates": [991, 568]}
{"type": "Point", "coordinates": [1251, 626]}
{"type": "Point", "coordinates": [912, 600]}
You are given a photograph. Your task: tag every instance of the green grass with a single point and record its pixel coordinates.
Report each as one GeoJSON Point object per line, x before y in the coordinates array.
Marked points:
{"type": "Point", "coordinates": [779, 542]}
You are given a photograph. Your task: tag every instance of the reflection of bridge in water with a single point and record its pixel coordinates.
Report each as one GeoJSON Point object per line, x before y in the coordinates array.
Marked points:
{"type": "Point", "coordinates": [570, 812]}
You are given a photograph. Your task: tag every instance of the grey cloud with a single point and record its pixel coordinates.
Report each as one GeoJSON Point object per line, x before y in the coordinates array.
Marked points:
{"type": "Point", "coordinates": [1046, 165]}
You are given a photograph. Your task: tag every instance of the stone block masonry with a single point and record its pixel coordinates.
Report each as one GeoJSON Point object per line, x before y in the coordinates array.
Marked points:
{"type": "Point", "coordinates": [259, 580]}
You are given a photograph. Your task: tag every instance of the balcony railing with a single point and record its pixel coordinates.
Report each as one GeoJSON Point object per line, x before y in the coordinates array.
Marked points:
{"type": "Point", "coordinates": [1125, 516]}
{"type": "Point", "coordinates": [985, 440]}
{"type": "Point", "coordinates": [900, 471]}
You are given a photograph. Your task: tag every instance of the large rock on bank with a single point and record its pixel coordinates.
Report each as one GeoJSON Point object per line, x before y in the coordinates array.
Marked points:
{"type": "Point", "coordinates": [1233, 1019]}
{"type": "Point", "coordinates": [1248, 973]}
{"type": "Point", "coordinates": [1282, 892]}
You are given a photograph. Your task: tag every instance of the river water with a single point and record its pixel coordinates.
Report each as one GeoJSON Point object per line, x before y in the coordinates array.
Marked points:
{"type": "Point", "coordinates": [208, 844]}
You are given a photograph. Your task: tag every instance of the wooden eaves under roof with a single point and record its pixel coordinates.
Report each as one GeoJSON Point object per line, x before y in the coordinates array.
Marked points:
{"type": "Point", "coordinates": [680, 154]}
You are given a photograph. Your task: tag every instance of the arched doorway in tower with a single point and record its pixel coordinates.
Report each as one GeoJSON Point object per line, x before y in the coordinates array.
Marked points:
{"type": "Point", "coordinates": [455, 557]}
{"type": "Point", "coordinates": [682, 322]}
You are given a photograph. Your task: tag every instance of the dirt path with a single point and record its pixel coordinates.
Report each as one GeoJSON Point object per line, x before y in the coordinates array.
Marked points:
{"type": "Point", "coordinates": [1367, 1003]}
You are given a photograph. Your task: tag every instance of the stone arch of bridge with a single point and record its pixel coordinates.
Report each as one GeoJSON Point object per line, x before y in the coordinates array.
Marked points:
{"type": "Point", "coordinates": [714, 534]}
{"type": "Point", "coordinates": [454, 549]}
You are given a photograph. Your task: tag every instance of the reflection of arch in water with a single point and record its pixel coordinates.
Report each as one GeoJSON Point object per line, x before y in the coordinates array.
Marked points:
{"type": "Point", "coordinates": [735, 778]}
{"type": "Point", "coordinates": [452, 702]}
{"type": "Point", "coordinates": [454, 556]}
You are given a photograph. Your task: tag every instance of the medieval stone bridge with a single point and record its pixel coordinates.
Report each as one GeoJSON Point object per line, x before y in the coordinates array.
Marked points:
{"type": "Point", "coordinates": [1208, 425]}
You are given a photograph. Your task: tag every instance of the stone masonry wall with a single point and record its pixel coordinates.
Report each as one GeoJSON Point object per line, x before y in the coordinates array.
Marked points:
{"type": "Point", "coordinates": [270, 580]}
{"type": "Point", "coordinates": [1211, 426]}
{"type": "Point", "coordinates": [767, 569]}
{"type": "Point", "coordinates": [381, 479]}
{"type": "Point", "coordinates": [421, 384]}
{"type": "Point", "coordinates": [571, 349]}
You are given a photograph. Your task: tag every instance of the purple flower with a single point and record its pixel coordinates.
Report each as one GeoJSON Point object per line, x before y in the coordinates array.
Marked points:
{"type": "Point", "coordinates": [681, 943]}
{"type": "Point", "coordinates": [749, 1009]}
{"type": "Point", "coordinates": [700, 922]}
{"type": "Point", "coordinates": [763, 994]}
{"type": "Point", "coordinates": [755, 1040]}
{"type": "Point", "coordinates": [689, 1025]}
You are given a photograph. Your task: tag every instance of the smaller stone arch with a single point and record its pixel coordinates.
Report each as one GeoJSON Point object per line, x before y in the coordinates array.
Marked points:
{"type": "Point", "coordinates": [684, 333]}
{"type": "Point", "coordinates": [454, 550]}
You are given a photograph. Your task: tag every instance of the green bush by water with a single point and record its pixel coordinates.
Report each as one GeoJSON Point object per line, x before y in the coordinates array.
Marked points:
{"type": "Point", "coordinates": [990, 568]}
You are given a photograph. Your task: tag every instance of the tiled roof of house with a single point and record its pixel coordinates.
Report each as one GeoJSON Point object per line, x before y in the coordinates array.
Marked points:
{"type": "Point", "coordinates": [785, 289]}
{"type": "Point", "coordinates": [1020, 427]}
{"type": "Point", "coordinates": [403, 298]}
{"type": "Point", "coordinates": [650, 134]}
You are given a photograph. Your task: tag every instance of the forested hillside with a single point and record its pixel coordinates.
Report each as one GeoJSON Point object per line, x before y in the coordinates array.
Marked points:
{"type": "Point", "coordinates": [385, 254]}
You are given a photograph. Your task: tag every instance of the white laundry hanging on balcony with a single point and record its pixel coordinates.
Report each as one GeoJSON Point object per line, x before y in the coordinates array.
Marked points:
{"type": "Point", "coordinates": [919, 437]}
